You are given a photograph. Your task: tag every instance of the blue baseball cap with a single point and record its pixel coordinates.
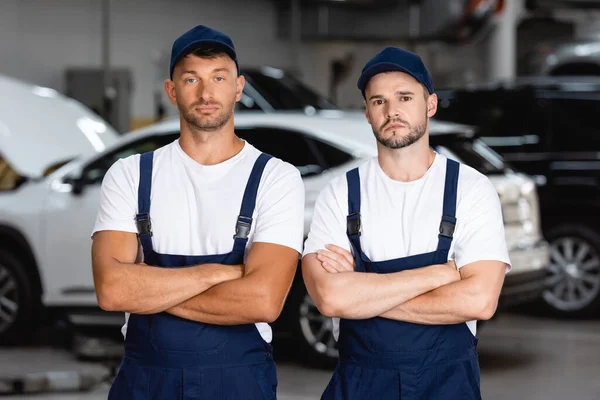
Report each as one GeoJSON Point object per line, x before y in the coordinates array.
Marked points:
{"type": "Point", "coordinates": [395, 59]}
{"type": "Point", "coordinates": [197, 37]}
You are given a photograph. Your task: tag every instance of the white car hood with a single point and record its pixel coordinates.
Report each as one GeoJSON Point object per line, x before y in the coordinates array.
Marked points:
{"type": "Point", "coordinates": [40, 127]}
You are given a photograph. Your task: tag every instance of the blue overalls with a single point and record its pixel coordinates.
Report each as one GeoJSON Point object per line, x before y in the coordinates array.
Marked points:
{"type": "Point", "coordinates": [385, 359]}
{"type": "Point", "coordinates": [167, 357]}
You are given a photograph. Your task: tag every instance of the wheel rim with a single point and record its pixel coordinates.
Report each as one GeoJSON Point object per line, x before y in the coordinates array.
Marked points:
{"type": "Point", "coordinates": [574, 274]}
{"type": "Point", "coordinates": [9, 299]}
{"type": "Point", "coordinates": [317, 328]}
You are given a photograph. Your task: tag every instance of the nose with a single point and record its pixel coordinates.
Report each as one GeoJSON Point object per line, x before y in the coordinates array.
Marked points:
{"type": "Point", "coordinates": [393, 110]}
{"type": "Point", "coordinates": [204, 92]}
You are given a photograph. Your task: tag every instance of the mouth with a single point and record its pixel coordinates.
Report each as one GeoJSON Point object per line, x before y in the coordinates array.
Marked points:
{"type": "Point", "coordinates": [206, 109]}
{"type": "Point", "coordinates": [395, 126]}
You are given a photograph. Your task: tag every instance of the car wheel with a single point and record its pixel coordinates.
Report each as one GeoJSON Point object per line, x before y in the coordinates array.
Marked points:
{"type": "Point", "coordinates": [574, 271]}
{"type": "Point", "coordinates": [18, 310]}
{"type": "Point", "coordinates": [312, 331]}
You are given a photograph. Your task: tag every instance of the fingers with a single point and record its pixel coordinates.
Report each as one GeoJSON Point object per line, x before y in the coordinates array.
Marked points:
{"type": "Point", "coordinates": [341, 252]}
{"type": "Point", "coordinates": [333, 262]}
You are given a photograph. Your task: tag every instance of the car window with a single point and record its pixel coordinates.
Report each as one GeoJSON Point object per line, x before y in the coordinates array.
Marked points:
{"type": "Point", "coordinates": [246, 103]}
{"type": "Point", "coordinates": [283, 92]}
{"type": "Point", "coordinates": [510, 121]}
{"type": "Point", "coordinates": [332, 156]}
{"type": "Point", "coordinates": [475, 154]}
{"type": "Point", "coordinates": [94, 172]}
{"type": "Point", "coordinates": [292, 147]}
{"type": "Point", "coordinates": [574, 119]}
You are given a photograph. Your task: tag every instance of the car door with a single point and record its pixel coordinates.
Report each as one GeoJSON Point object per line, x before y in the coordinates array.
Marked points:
{"type": "Point", "coordinates": [315, 159]}
{"type": "Point", "coordinates": [511, 121]}
{"type": "Point", "coordinates": [68, 222]}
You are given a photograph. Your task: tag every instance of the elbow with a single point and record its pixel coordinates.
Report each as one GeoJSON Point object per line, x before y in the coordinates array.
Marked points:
{"type": "Point", "coordinates": [329, 306]}
{"type": "Point", "coordinates": [327, 302]}
{"type": "Point", "coordinates": [107, 303]}
{"type": "Point", "coordinates": [270, 314]}
{"type": "Point", "coordinates": [269, 308]}
{"type": "Point", "coordinates": [486, 309]}
{"type": "Point", "coordinates": [107, 299]}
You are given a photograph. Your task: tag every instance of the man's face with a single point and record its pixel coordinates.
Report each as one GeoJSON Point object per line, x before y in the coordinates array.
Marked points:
{"type": "Point", "coordinates": [398, 109]}
{"type": "Point", "coordinates": [205, 90]}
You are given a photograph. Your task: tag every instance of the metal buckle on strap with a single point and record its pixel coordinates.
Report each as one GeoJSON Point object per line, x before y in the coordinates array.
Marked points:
{"type": "Point", "coordinates": [447, 226]}
{"type": "Point", "coordinates": [144, 226]}
{"type": "Point", "coordinates": [353, 224]}
{"type": "Point", "coordinates": [242, 228]}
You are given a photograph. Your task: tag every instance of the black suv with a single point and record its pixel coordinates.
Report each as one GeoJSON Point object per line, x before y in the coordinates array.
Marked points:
{"type": "Point", "coordinates": [548, 128]}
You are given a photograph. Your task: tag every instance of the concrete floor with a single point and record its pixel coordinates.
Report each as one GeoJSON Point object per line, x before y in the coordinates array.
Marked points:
{"type": "Point", "coordinates": [521, 357]}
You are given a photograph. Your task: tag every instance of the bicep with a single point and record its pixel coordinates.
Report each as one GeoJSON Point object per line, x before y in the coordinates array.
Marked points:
{"type": "Point", "coordinates": [486, 275]}
{"type": "Point", "coordinates": [271, 262]}
{"type": "Point", "coordinates": [316, 278]}
{"type": "Point", "coordinates": [113, 247]}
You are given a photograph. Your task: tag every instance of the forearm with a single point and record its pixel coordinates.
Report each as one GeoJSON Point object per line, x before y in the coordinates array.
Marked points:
{"type": "Point", "coordinates": [240, 301]}
{"type": "Point", "coordinates": [356, 295]}
{"type": "Point", "coordinates": [454, 303]}
{"type": "Point", "coordinates": [143, 289]}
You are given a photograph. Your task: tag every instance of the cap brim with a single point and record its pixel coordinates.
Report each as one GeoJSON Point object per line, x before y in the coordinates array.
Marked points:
{"type": "Point", "coordinates": [199, 43]}
{"type": "Point", "coordinates": [381, 68]}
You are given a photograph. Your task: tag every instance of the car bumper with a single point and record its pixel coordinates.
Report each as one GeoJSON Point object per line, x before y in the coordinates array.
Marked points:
{"type": "Point", "coordinates": [527, 279]}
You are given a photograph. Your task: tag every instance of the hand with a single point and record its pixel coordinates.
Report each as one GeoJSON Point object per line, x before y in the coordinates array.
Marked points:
{"type": "Point", "coordinates": [233, 271]}
{"type": "Point", "coordinates": [449, 272]}
{"type": "Point", "coordinates": [336, 259]}
{"type": "Point", "coordinates": [219, 273]}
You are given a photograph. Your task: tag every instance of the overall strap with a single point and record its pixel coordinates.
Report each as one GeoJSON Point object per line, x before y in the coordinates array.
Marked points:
{"type": "Point", "coordinates": [244, 221]}
{"type": "Point", "coordinates": [353, 225]}
{"type": "Point", "coordinates": [448, 222]}
{"type": "Point", "coordinates": [144, 225]}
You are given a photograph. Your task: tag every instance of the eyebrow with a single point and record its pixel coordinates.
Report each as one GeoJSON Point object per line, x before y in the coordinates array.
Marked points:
{"type": "Point", "coordinates": [222, 69]}
{"type": "Point", "coordinates": [398, 93]}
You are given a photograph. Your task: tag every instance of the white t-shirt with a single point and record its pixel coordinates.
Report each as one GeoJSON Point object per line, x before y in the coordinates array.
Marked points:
{"type": "Point", "coordinates": [194, 207]}
{"type": "Point", "coordinates": [401, 219]}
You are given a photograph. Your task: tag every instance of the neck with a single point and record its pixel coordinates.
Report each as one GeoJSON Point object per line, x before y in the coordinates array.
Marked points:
{"type": "Point", "coordinates": [408, 163]}
{"type": "Point", "coordinates": [210, 147]}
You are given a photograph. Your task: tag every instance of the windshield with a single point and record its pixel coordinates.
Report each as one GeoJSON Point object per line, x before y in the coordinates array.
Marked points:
{"type": "Point", "coordinates": [284, 92]}
{"type": "Point", "coordinates": [475, 154]}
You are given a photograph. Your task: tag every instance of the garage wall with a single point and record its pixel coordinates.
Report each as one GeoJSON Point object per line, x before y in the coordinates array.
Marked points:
{"type": "Point", "coordinates": [43, 37]}
{"type": "Point", "coordinates": [39, 39]}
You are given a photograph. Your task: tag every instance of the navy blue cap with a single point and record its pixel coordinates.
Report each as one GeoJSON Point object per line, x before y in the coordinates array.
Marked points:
{"type": "Point", "coordinates": [197, 37]}
{"type": "Point", "coordinates": [395, 59]}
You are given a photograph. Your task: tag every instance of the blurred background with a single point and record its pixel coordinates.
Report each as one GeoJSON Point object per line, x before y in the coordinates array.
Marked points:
{"type": "Point", "coordinates": [518, 82]}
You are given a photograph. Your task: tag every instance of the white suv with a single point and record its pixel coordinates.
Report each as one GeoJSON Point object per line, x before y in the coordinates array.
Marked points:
{"type": "Point", "coordinates": [40, 130]}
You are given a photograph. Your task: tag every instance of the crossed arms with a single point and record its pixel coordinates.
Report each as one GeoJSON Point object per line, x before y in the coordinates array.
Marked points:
{"type": "Point", "coordinates": [436, 294]}
{"type": "Point", "coordinates": [210, 293]}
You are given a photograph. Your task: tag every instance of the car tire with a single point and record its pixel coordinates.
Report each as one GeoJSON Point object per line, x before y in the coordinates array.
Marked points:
{"type": "Point", "coordinates": [574, 272]}
{"type": "Point", "coordinates": [19, 302]}
{"type": "Point", "coordinates": [311, 331]}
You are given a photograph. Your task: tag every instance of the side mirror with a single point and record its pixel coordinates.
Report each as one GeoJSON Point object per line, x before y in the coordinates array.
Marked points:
{"type": "Point", "coordinates": [76, 182]}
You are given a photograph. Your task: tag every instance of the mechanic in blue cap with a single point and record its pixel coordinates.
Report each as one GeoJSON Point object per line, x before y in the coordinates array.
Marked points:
{"type": "Point", "coordinates": [406, 252]}
{"type": "Point", "coordinates": [220, 226]}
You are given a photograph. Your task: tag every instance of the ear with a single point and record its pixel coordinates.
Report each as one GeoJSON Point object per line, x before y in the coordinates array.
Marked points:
{"type": "Point", "coordinates": [367, 112]}
{"type": "Point", "coordinates": [432, 103]}
{"type": "Point", "coordinates": [240, 82]}
{"type": "Point", "coordinates": [170, 90]}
